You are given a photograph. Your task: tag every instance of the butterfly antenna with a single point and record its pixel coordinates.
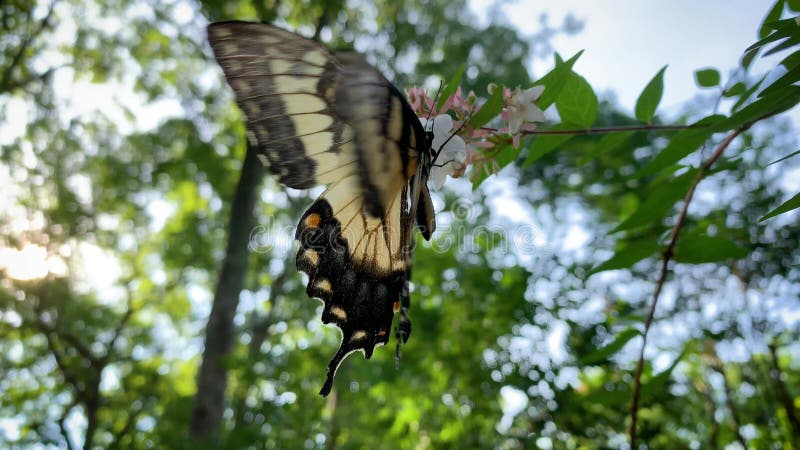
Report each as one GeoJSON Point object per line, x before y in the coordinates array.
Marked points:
{"type": "Point", "coordinates": [435, 101]}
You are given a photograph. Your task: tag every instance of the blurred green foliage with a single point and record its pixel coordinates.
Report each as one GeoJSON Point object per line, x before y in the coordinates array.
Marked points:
{"type": "Point", "coordinates": [511, 348]}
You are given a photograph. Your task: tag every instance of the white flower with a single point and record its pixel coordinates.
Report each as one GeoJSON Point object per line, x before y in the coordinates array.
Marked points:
{"type": "Point", "coordinates": [522, 108]}
{"type": "Point", "coordinates": [452, 154]}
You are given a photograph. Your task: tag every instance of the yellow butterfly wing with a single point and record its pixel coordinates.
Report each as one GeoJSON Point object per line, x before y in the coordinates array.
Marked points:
{"type": "Point", "coordinates": [323, 118]}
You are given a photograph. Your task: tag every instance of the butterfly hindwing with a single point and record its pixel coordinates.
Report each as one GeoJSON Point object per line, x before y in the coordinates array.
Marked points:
{"type": "Point", "coordinates": [356, 264]}
{"type": "Point", "coordinates": [318, 117]}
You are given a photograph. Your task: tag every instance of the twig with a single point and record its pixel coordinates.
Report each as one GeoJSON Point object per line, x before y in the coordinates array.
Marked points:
{"type": "Point", "coordinates": [260, 327]}
{"type": "Point", "coordinates": [69, 338]}
{"type": "Point", "coordinates": [667, 256]}
{"type": "Point", "coordinates": [783, 393]}
{"type": "Point", "coordinates": [130, 423]}
{"type": "Point", "coordinates": [8, 72]}
{"type": "Point", "coordinates": [726, 389]}
{"type": "Point", "coordinates": [103, 361]}
{"type": "Point", "coordinates": [62, 424]}
{"type": "Point", "coordinates": [601, 130]}
{"type": "Point", "coordinates": [713, 435]}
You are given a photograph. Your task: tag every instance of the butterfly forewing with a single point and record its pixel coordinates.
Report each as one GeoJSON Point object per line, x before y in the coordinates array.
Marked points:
{"type": "Point", "coordinates": [323, 118]}
{"type": "Point", "coordinates": [285, 85]}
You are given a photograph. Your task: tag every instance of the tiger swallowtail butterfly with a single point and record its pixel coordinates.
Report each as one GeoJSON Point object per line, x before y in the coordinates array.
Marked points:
{"type": "Point", "coordinates": [318, 117]}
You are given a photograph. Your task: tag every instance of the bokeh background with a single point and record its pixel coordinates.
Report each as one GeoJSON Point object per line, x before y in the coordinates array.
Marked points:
{"type": "Point", "coordinates": [128, 207]}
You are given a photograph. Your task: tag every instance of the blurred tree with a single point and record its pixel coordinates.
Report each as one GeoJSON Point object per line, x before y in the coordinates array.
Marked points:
{"type": "Point", "coordinates": [126, 219]}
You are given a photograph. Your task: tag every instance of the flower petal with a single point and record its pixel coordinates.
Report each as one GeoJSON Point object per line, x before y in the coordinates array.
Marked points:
{"type": "Point", "coordinates": [442, 124]}
{"type": "Point", "coordinates": [536, 92]}
{"type": "Point", "coordinates": [436, 178]}
{"type": "Point", "coordinates": [514, 122]}
{"type": "Point", "coordinates": [534, 114]}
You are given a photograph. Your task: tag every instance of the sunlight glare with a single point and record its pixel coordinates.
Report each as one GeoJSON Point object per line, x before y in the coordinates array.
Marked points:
{"type": "Point", "coordinates": [30, 263]}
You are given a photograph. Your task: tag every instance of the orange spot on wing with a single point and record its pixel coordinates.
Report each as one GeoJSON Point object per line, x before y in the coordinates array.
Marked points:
{"type": "Point", "coordinates": [312, 220]}
{"type": "Point", "coordinates": [397, 306]}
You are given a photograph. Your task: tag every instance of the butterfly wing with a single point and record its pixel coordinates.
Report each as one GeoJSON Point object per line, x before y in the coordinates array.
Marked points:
{"type": "Point", "coordinates": [319, 118]}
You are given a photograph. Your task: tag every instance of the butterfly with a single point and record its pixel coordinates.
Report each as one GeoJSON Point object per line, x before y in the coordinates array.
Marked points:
{"type": "Point", "coordinates": [318, 117]}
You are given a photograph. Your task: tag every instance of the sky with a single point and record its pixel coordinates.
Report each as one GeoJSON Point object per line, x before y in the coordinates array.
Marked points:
{"type": "Point", "coordinates": [627, 41]}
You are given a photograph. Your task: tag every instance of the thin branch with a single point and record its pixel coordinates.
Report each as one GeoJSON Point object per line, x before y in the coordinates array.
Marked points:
{"type": "Point", "coordinates": [69, 338]}
{"type": "Point", "coordinates": [69, 377]}
{"type": "Point", "coordinates": [737, 425]}
{"type": "Point", "coordinates": [667, 256]}
{"type": "Point", "coordinates": [8, 72]}
{"type": "Point", "coordinates": [62, 424]}
{"type": "Point", "coordinates": [20, 84]}
{"type": "Point", "coordinates": [713, 435]}
{"type": "Point", "coordinates": [322, 22]}
{"type": "Point", "coordinates": [783, 392]}
{"type": "Point", "coordinates": [259, 330]}
{"type": "Point", "coordinates": [118, 330]}
{"type": "Point", "coordinates": [335, 429]}
{"type": "Point", "coordinates": [130, 423]}
{"type": "Point", "coordinates": [601, 130]}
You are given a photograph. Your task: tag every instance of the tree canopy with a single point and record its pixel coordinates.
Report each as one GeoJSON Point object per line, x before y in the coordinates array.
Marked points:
{"type": "Point", "coordinates": [148, 294]}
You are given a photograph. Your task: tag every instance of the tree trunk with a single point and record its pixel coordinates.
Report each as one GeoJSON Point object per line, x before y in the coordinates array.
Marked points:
{"type": "Point", "coordinates": [206, 419]}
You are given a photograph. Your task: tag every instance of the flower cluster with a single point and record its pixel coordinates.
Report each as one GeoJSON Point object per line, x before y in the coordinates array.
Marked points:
{"type": "Point", "coordinates": [521, 111]}
{"type": "Point", "coordinates": [458, 143]}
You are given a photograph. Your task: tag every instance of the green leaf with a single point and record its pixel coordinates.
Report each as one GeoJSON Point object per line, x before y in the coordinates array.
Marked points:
{"type": "Point", "coordinates": [546, 143]}
{"type": "Point", "coordinates": [610, 398]}
{"type": "Point", "coordinates": [616, 345]}
{"type": "Point", "coordinates": [747, 94]}
{"type": "Point", "coordinates": [784, 29]}
{"type": "Point", "coordinates": [627, 256]}
{"type": "Point", "coordinates": [650, 97]}
{"type": "Point", "coordinates": [787, 43]}
{"type": "Point", "coordinates": [794, 5]}
{"type": "Point", "coordinates": [489, 110]}
{"type": "Point", "coordinates": [788, 205]}
{"type": "Point", "coordinates": [764, 107]}
{"type": "Point", "coordinates": [682, 144]}
{"type": "Point", "coordinates": [657, 383]}
{"type": "Point", "coordinates": [659, 202]}
{"type": "Point", "coordinates": [747, 58]}
{"type": "Point", "coordinates": [736, 90]}
{"type": "Point", "coordinates": [790, 77]}
{"type": "Point", "coordinates": [791, 60]}
{"type": "Point", "coordinates": [698, 249]}
{"type": "Point", "coordinates": [555, 80]}
{"type": "Point", "coordinates": [607, 143]}
{"type": "Point", "coordinates": [773, 15]}
{"type": "Point", "coordinates": [707, 77]}
{"type": "Point", "coordinates": [785, 157]}
{"type": "Point", "coordinates": [451, 86]}
{"type": "Point", "coordinates": [577, 103]}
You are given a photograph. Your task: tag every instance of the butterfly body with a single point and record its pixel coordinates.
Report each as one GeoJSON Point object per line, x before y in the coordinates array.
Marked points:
{"type": "Point", "coordinates": [322, 118]}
